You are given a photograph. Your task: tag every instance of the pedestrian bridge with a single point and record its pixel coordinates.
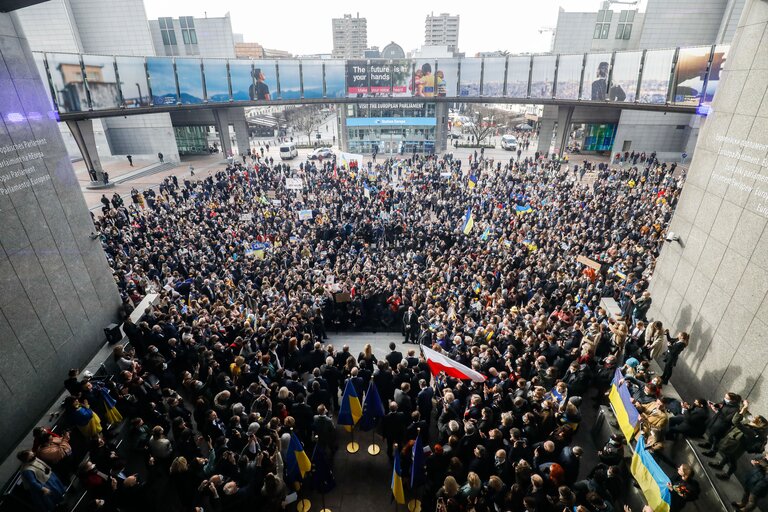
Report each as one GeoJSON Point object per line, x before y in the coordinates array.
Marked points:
{"type": "Point", "coordinates": [82, 86]}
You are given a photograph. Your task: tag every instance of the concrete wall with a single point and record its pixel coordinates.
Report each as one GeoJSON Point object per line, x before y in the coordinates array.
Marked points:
{"type": "Point", "coordinates": [56, 289]}
{"type": "Point", "coordinates": [714, 283]}
{"type": "Point", "coordinates": [60, 34]}
{"type": "Point", "coordinates": [681, 23]}
{"type": "Point", "coordinates": [214, 39]}
{"type": "Point", "coordinates": [667, 134]}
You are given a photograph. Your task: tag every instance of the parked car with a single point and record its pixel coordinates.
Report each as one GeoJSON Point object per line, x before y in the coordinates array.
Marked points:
{"type": "Point", "coordinates": [321, 153]}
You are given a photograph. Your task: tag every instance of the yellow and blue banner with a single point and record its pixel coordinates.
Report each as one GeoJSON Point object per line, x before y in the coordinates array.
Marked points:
{"type": "Point", "coordinates": [621, 401]}
{"type": "Point", "coordinates": [486, 234]}
{"type": "Point", "coordinates": [297, 464]}
{"type": "Point", "coordinates": [652, 480]}
{"type": "Point", "coordinates": [522, 209]}
{"type": "Point", "coordinates": [397, 480]}
{"type": "Point", "coordinates": [472, 183]}
{"type": "Point", "coordinates": [530, 245]}
{"type": "Point", "coordinates": [469, 221]}
{"type": "Point", "coordinates": [350, 410]}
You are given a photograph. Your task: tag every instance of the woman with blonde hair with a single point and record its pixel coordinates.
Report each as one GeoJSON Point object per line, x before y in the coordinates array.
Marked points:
{"type": "Point", "coordinates": [366, 359]}
{"type": "Point", "coordinates": [184, 482]}
{"type": "Point", "coordinates": [447, 496]}
{"type": "Point", "coordinates": [470, 491]}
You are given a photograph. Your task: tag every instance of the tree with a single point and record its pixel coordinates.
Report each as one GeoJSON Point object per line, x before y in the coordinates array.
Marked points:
{"type": "Point", "coordinates": [482, 124]}
{"type": "Point", "coordinates": [305, 119]}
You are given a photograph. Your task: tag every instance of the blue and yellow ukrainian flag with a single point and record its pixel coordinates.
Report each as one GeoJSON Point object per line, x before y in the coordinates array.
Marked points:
{"type": "Point", "coordinates": [397, 480]}
{"type": "Point", "coordinates": [523, 209]}
{"type": "Point", "coordinates": [621, 402]}
{"type": "Point", "coordinates": [652, 480]}
{"type": "Point", "coordinates": [530, 245]}
{"type": "Point", "coordinates": [486, 234]}
{"type": "Point", "coordinates": [297, 464]}
{"type": "Point", "coordinates": [350, 410]}
{"type": "Point", "coordinates": [469, 221]}
{"type": "Point", "coordinates": [472, 183]}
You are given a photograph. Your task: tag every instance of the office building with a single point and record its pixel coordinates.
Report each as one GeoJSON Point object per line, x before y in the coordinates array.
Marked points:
{"type": "Point", "coordinates": [652, 24]}
{"type": "Point", "coordinates": [350, 37]}
{"type": "Point", "coordinates": [187, 36]}
{"type": "Point", "coordinates": [442, 30]}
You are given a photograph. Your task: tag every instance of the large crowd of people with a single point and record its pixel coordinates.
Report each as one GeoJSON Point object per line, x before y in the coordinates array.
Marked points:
{"type": "Point", "coordinates": [480, 259]}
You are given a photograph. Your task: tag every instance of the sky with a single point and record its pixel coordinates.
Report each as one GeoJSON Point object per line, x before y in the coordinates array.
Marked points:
{"type": "Point", "coordinates": [512, 25]}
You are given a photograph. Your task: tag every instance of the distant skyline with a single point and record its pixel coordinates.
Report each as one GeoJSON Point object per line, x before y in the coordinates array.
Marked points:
{"type": "Point", "coordinates": [484, 28]}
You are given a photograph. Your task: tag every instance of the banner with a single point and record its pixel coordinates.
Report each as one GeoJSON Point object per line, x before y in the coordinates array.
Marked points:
{"type": "Point", "coordinates": [305, 215]}
{"type": "Point", "coordinates": [621, 402]}
{"type": "Point", "coordinates": [293, 183]}
{"type": "Point", "coordinates": [357, 78]}
{"type": "Point", "coordinates": [652, 480]}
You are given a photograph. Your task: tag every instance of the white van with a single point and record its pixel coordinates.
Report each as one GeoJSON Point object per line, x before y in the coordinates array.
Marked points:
{"type": "Point", "coordinates": [509, 142]}
{"type": "Point", "coordinates": [288, 151]}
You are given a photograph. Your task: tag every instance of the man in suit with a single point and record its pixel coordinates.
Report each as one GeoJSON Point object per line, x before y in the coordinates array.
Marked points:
{"type": "Point", "coordinates": [323, 427]}
{"type": "Point", "coordinates": [394, 357]}
{"type": "Point", "coordinates": [410, 326]}
{"type": "Point", "coordinates": [393, 427]}
{"type": "Point", "coordinates": [424, 400]}
{"type": "Point", "coordinates": [403, 399]}
{"type": "Point", "coordinates": [333, 377]}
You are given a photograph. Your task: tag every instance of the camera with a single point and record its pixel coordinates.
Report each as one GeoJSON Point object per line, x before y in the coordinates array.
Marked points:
{"type": "Point", "coordinates": [672, 237]}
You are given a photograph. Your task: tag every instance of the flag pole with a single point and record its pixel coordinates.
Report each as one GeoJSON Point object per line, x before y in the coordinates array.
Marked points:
{"type": "Point", "coordinates": [415, 504]}
{"type": "Point", "coordinates": [314, 470]}
{"type": "Point", "coordinates": [374, 449]}
{"type": "Point", "coordinates": [303, 504]}
{"type": "Point", "coordinates": [352, 446]}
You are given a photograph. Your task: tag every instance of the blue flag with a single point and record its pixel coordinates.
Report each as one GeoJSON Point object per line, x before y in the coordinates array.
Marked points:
{"type": "Point", "coordinates": [373, 409]}
{"type": "Point", "coordinates": [322, 475]}
{"type": "Point", "coordinates": [418, 466]}
{"type": "Point", "coordinates": [350, 409]}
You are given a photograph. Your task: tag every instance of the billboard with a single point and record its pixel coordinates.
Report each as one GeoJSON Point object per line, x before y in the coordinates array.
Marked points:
{"type": "Point", "coordinates": [401, 77]}
{"type": "Point", "coordinates": [241, 76]}
{"type": "Point", "coordinates": [713, 80]}
{"type": "Point", "coordinates": [543, 76]}
{"type": "Point", "coordinates": [162, 81]}
{"type": "Point", "coordinates": [596, 73]}
{"type": "Point", "coordinates": [471, 70]}
{"type": "Point", "coordinates": [334, 79]}
{"type": "Point", "coordinates": [379, 77]}
{"type": "Point", "coordinates": [357, 78]}
{"type": "Point", "coordinates": [133, 81]}
{"type": "Point", "coordinates": [68, 85]}
{"type": "Point", "coordinates": [624, 76]}
{"type": "Point", "coordinates": [312, 78]}
{"type": "Point", "coordinates": [290, 79]}
{"type": "Point", "coordinates": [190, 81]}
{"type": "Point", "coordinates": [423, 80]}
{"type": "Point", "coordinates": [691, 75]}
{"type": "Point", "coordinates": [655, 82]}
{"type": "Point", "coordinates": [447, 78]}
{"type": "Point", "coordinates": [493, 76]}
{"type": "Point", "coordinates": [569, 77]}
{"type": "Point", "coordinates": [216, 80]}
{"type": "Point", "coordinates": [102, 81]}
{"type": "Point", "coordinates": [518, 72]}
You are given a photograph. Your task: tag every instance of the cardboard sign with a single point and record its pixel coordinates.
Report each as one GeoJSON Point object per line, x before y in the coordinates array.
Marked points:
{"type": "Point", "coordinates": [271, 194]}
{"type": "Point", "coordinates": [305, 214]}
{"type": "Point", "coordinates": [293, 184]}
{"type": "Point", "coordinates": [246, 217]}
{"type": "Point", "coordinates": [589, 262]}
{"type": "Point", "coordinates": [342, 297]}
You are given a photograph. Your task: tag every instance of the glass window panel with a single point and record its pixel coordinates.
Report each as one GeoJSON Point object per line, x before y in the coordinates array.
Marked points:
{"type": "Point", "coordinates": [446, 78]}
{"type": "Point", "coordinates": [163, 80]}
{"type": "Point", "coordinates": [40, 65]}
{"type": "Point", "coordinates": [619, 31]}
{"type": "Point", "coordinates": [598, 31]}
{"type": "Point", "coordinates": [606, 28]}
{"type": "Point", "coordinates": [493, 76]}
{"type": "Point", "coordinates": [133, 81]}
{"type": "Point", "coordinates": [242, 80]}
{"type": "Point", "coordinates": [68, 84]}
{"type": "Point", "coordinates": [357, 78]}
{"type": "Point", "coordinates": [608, 16]}
{"type": "Point", "coordinates": [655, 84]}
{"type": "Point", "coordinates": [631, 16]}
{"type": "Point", "coordinates": [185, 36]}
{"type": "Point", "coordinates": [290, 83]}
{"type": "Point", "coordinates": [623, 16]}
{"type": "Point", "coordinates": [627, 31]}
{"type": "Point", "coordinates": [166, 40]}
{"type": "Point", "coordinates": [102, 81]}
{"type": "Point", "coordinates": [543, 76]}
{"type": "Point", "coordinates": [183, 21]}
{"type": "Point", "coordinates": [216, 80]}
{"type": "Point", "coordinates": [334, 79]}
{"type": "Point", "coordinates": [193, 36]}
{"type": "Point", "coordinates": [569, 76]}
{"type": "Point", "coordinates": [596, 76]}
{"type": "Point", "coordinates": [718, 62]}
{"type": "Point", "coordinates": [690, 75]}
{"type": "Point", "coordinates": [600, 15]}
{"type": "Point", "coordinates": [470, 77]}
{"type": "Point", "coordinates": [265, 75]}
{"type": "Point", "coordinates": [626, 69]}
{"type": "Point", "coordinates": [190, 81]}
{"type": "Point", "coordinates": [518, 70]}
{"type": "Point", "coordinates": [312, 76]}
{"type": "Point", "coordinates": [402, 73]}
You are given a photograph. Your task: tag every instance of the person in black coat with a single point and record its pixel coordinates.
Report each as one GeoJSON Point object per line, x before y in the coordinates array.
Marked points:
{"type": "Point", "coordinates": [692, 422]}
{"type": "Point", "coordinates": [394, 357]}
{"type": "Point", "coordinates": [673, 354]}
{"type": "Point", "coordinates": [755, 486]}
{"type": "Point", "coordinates": [410, 326]}
{"type": "Point", "coordinates": [722, 420]}
{"type": "Point", "coordinates": [393, 427]}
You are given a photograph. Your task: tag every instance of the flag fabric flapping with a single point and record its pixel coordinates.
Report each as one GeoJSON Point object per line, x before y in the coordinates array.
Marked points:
{"type": "Point", "coordinates": [350, 410]}
{"type": "Point", "coordinates": [397, 481]}
{"type": "Point", "coordinates": [468, 222]}
{"type": "Point", "coordinates": [418, 464]}
{"type": "Point", "coordinates": [438, 362]}
{"type": "Point", "coordinates": [297, 463]}
{"type": "Point", "coordinates": [373, 409]}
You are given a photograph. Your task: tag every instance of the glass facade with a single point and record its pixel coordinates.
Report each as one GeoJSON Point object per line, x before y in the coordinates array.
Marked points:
{"type": "Point", "coordinates": [92, 82]}
{"type": "Point", "coordinates": [391, 128]}
{"type": "Point", "coordinates": [192, 140]}
{"type": "Point", "coordinates": [599, 137]}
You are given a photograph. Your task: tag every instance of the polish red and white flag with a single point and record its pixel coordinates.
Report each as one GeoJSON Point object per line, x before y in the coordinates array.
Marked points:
{"type": "Point", "coordinates": [442, 363]}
